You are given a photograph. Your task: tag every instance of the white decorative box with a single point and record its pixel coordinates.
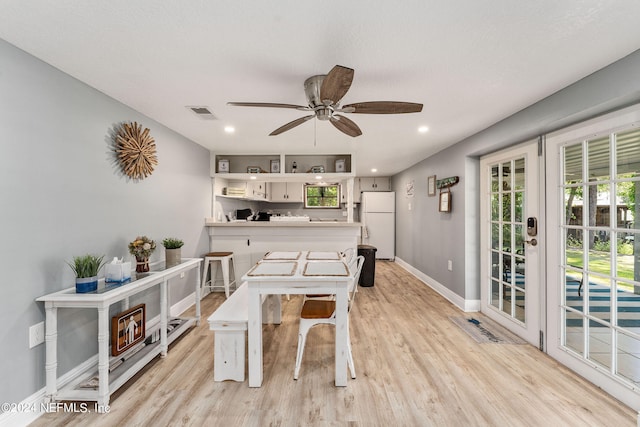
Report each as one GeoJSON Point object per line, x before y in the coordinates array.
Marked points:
{"type": "Point", "coordinates": [117, 271]}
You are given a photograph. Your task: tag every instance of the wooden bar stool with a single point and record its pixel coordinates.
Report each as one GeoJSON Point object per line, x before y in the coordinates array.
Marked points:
{"type": "Point", "coordinates": [224, 258]}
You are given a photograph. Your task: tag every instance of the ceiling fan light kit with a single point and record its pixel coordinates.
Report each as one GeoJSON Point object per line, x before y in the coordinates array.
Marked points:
{"type": "Point", "coordinates": [324, 93]}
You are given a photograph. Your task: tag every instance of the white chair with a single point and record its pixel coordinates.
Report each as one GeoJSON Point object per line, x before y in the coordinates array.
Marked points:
{"type": "Point", "coordinates": [349, 255]}
{"type": "Point", "coordinates": [316, 312]}
{"type": "Point", "coordinates": [226, 261]}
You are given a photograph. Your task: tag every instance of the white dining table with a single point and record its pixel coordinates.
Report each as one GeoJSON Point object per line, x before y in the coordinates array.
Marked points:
{"type": "Point", "coordinates": [304, 272]}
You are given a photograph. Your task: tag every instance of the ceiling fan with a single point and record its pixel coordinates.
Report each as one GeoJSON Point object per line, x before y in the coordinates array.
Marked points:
{"type": "Point", "coordinates": [324, 93]}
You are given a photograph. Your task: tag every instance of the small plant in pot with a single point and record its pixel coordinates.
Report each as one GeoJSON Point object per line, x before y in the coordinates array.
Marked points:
{"type": "Point", "coordinates": [86, 268]}
{"type": "Point", "coordinates": [173, 251]}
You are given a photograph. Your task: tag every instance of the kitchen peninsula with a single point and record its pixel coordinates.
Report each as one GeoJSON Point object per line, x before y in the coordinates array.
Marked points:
{"type": "Point", "coordinates": [250, 240]}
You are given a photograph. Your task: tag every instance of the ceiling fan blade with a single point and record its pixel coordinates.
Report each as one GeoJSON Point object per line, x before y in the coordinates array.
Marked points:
{"type": "Point", "coordinates": [291, 125]}
{"type": "Point", "coordinates": [382, 107]}
{"type": "Point", "coordinates": [345, 125]}
{"type": "Point", "coordinates": [336, 84]}
{"type": "Point", "coordinates": [268, 104]}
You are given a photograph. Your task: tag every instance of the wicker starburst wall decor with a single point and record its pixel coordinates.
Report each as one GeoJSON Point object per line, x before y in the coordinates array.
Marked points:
{"type": "Point", "coordinates": [136, 150]}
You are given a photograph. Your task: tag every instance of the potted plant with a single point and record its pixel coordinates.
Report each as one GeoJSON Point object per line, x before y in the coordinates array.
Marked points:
{"type": "Point", "coordinates": [173, 251]}
{"type": "Point", "coordinates": [141, 248]}
{"type": "Point", "coordinates": [86, 268]}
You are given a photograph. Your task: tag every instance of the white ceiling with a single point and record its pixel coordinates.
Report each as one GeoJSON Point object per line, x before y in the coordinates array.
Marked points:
{"type": "Point", "coordinates": [470, 62]}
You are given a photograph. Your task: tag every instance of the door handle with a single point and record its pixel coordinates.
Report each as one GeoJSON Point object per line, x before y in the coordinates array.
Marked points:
{"type": "Point", "coordinates": [532, 242]}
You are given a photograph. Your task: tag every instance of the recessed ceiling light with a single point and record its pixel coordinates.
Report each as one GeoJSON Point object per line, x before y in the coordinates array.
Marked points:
{"type": "Point", "coordinates": [374, 170]}
{"type": "Point", "coordinates": [318, 177]}
{"type": "Point", "coordinates": [423, 129]}
{"type": "Point", "coordinates": [252, 177]}
{"type": "Point", "coordinates": [229, 129]}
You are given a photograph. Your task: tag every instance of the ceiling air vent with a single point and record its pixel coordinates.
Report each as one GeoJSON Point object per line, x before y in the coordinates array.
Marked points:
{"type": "Point", "coordinates": [203, 112]}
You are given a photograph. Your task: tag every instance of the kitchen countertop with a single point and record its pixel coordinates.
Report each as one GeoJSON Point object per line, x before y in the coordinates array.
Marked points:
{"type": "Point", "coordinates": [209, 222]}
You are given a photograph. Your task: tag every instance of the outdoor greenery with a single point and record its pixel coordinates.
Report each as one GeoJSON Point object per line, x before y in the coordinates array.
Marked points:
{"type": "Point", "coordinates": [87, 265]}
{"type": "Point", "coordinates": [172, 243]}
{"type": "Point", "coordinates": [322, 196]}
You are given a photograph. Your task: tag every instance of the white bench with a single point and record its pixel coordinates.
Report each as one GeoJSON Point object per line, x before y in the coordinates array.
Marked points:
{"type": "Point", "coordinates": [229, 322]}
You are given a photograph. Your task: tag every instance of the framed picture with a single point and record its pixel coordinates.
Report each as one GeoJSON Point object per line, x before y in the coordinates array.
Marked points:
{"type": "Point", "coordinates": [127, 329]}
{"type": "Point", "coordinates": [223, 166]}
{"type": "Point", "coordinates": [431, 186]}
{"type": "Point", "coordinates": [340, 166]}
{"type": "Point", "coordinates": [445, 202]}
{"type": "Point", "coordinates": [275, 166]}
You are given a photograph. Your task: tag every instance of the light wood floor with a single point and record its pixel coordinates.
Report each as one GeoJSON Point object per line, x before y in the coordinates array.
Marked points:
{"type": "Point", "coordinates": [414, 367]}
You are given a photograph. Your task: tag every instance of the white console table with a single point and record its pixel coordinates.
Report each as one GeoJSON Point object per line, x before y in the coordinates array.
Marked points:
{"type": "Point", "coordinates": [101, 300]}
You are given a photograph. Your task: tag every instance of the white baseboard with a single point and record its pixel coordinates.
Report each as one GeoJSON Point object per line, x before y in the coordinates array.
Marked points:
{"type": "Point", "coordinates": [455, 299]}
{"type": "Point", "coordinates": [34, 406]}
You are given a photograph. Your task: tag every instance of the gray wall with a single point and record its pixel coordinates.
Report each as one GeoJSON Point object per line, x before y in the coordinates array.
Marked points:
{"type": "Point", "coordinates": [426, 239]}
{"type": "Point", "coordinates": [62, 195]}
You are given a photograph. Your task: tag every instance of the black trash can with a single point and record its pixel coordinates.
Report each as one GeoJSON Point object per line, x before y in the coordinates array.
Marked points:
{"type": "Point", "coordinates": [368, 273]}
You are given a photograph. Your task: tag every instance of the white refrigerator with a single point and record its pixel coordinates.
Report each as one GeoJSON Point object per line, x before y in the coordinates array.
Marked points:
{"type": "Point", "coordinates": [378, 217]}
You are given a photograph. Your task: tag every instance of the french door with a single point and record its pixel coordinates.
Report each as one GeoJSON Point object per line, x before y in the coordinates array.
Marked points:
{"type": "Point", "coordinates": [510, 240]}
{"type": "Point", "coordinates": [593, 251]}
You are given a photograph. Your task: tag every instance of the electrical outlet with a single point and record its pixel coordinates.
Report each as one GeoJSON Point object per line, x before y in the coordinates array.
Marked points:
{"type": "Point", "coordinates": [182, 275]}
{"type": "Point", "coordinates": [36, 334]}
{"type": "Point", "coordinates": [409, 206]}
{"type": "Point", "coordinates": [344, 213]}
{"type": "Point", "coordinates": [450, 265]}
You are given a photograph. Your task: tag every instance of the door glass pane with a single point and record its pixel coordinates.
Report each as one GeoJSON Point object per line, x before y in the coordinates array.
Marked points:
{"type": "Point", "coordinates": [495, 236]}
{"type": "Point", "coordinates": [599, 298]}
{"type": "Point", "coordinates": [506, 207]}
{"type": "Point", "coordinates": [574, 332]}
{"type": "Point", "coordinates": [599, 204]}
{"type": "Point", "coordinates": [519, 239]}
{"type": "Point", "coordinates": [628, 311]}
{"type": "Point", "coordinates": [600, 255]}
{"type": "Point", "coordinates": [573, 289]}
{"type": "Point", "coordinates": [495, 294]}
{"type": "Point", "coordinates": [628, 258]}
{"type": "Point", "coordinates": [495, 179]}
{"type": "Point", "coordinates": [628, 153]}
{"type": "Point", "coordinates": [495, 265]}
{"type": "Point", "coordinates": [520, 271]}
{"type": "Point", "coordinates": [519, 314]}
{"type": "Point", "coordinates": [600, 344]}
{"type": "Point", "coordinates": [519, 174]}
{"type": "Point", "coordinates": [599, 151]}
{"type": "Point", "coordinates": [573, 164]}
{"type": "Point", "coordinates": [495, 207]}
{"type": "Point", "coordinates": [506, 176]}
{"type": "Point", "coordinates": [574, 248]}
{"type": "Point", "coordinates": [519, 206]}
{"type": "Point", "coordinates": [628, 354]}
{"type": "Point", "coordinates": [627, 193]}
{"type": "Point", "coordinates": [506, 237]}
{"type": "Point", "coordinates": [506, 299]}
{"type": "Point", "coordinates": [573, 205]}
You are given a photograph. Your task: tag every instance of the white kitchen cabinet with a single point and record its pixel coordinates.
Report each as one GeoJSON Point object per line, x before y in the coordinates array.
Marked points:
{"type": "Point", "coordinates": [286, 192]}
{"type": "Point", "coordinates": [375, 184]}
{"type": "Point", "coordinates": [257, 190]}
{"type": "Point", "coordinates": [370, 184]}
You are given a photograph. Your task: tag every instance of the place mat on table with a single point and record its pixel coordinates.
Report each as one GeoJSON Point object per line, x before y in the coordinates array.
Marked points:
{"type": "Point", "coordinates": [328, 268]}
{"type": "Point", "coordinates": [282, 255]}
{"type": "Point", "coordinates": [274, 268]}
{"type": "Point", "coordinates": [323, 255]}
